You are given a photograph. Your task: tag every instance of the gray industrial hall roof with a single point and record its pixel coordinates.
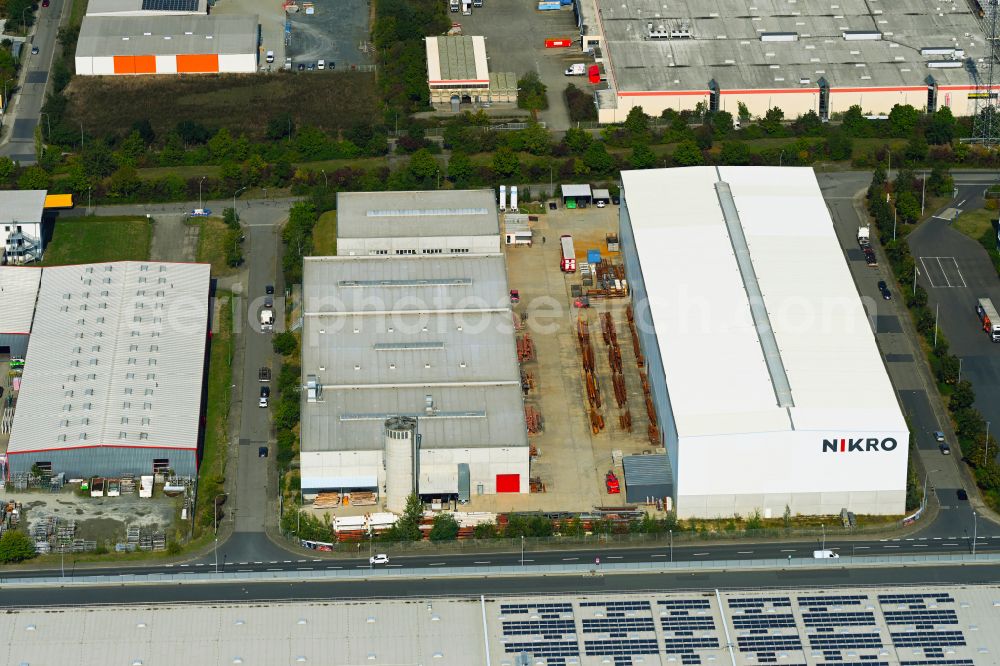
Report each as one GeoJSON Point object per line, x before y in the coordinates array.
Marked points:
{"type": "Point", "coordinates": [410, 214]}
{"type": "Point", "coordinates": [727, 43]}
{"type": "Point", "coordinates": [167, 35]}
{"type": "Point", "coordinates": [458, 58]}
{"type": "Point", "coordinates": [18, 291]}
{"type": "Point", "coordinates": [22, 206]}
{"type": "Point", "coordinates": [647, 477]}
{"type": "Point", "coordinates": [382, 333]}
{"type": "Point", "coordinates": [150, 8]}
{"type": "Point", "coordinates": [465, 417]}
{"type": "Point", "coordinates": [116, 358]}
{"type": "Point", "coordinates": [334, 286]}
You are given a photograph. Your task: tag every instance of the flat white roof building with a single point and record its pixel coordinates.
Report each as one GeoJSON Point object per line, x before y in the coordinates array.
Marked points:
{"type": "Point", "coordinates": [760, 350]}
{"type": "Point", "coordinates": [112, 381]}
{"type": "Point", "coordinates": [18, 291]}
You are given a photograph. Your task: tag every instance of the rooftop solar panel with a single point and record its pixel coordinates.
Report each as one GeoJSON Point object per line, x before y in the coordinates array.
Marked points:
{"type": "Point", "coordinates": [927, 638]}
{"type": "Point", "coordinates": [170, 5]}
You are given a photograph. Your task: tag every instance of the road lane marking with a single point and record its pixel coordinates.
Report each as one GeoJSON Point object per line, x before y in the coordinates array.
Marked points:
{"type": "Point", "coordinates": [436, 564]}
{"type": "Point", "coordinates": [185, 565]}
{"type": "Point", "coordinates": [243, 563]}
{"type": "Point", "coordinates": [273, 562]}
{"type": "Point", "coordinates": [527, 560]}
{"type": "Point", "coordinates": [570, 559]}
{"type": "Point", "coordinates": [890, 546]}
{"type": "Point", "coordinates": [862, 547]}
{"type": "Point", "coordinates": [788, 550]}
{"type": "Point", "coordinates": [287, 562]}
{"type": "Point", "coordinates": [317, 560]}
{"type": "Point", "coordinates": [949, 544]}
{"type": "Point", "coordinates": [744, 552]}
{"type": "Point", "coordinates": [699, 554]}
{"type": "Point", "coordinates": [486, 562]}
{"type": "Point", "coordinates": [614, 557]}
{"type": "Point", "coordinates": [394, 565]}
{"type": "Point", "coordinates": [243, 570]}
{"type": "Point", "coordinates": [258, 563]}
{"type": "Point", "coordinates": [275, 569]}
{"type": "Point", "coordinates": [920, 545]}
{"type": "Point", "coordinates": [304, 568]}
{"type": "Point", "coordinates": [200, 565]}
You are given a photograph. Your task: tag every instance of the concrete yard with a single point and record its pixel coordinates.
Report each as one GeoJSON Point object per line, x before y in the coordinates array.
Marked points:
{"type": "Point", "coordinates": [337, 35]}
{"type": "Point", "coordinates": [515, 42]}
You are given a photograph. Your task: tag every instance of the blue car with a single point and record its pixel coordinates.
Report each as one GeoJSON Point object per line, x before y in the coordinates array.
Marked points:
{"type": "Point", "coordinates": [201, 212]}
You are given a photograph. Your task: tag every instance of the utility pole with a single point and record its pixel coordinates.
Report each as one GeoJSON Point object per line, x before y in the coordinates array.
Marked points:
{"type": "Point", "coordinates": [522, 550]}
{"type": "Point", "coordinates": [923, 192]}
{"type": "Point", "coordinates": [199, 191]}
{"type": "Point", "coordinates": [671, 545]}
{"type": "Point", "coordinates": [937, 312]}
{"type": "Point", "coordinates": [986, 452]}
{"type": "Point", "coordinates": [974, 533]}
{"type": "Point", "coordinates": [823, 543]}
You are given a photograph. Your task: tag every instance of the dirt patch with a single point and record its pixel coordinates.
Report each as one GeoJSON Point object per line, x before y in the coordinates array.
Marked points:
{"type": "Point", "coordinates": [239, 102]}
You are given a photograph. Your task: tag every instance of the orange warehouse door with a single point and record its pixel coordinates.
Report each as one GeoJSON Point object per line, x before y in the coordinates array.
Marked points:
{"type": "Point", "coordinates": [508, 483]}
{"type": "Point", "coordinates": [124, 64]}
{"type": "Point", "coordinates": [196, 64]}
{"type": "Point", "coordinates": [145, 64]}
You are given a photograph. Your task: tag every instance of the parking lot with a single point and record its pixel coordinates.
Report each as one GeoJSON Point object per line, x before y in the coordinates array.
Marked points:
{"type": "Point", "coordinates": [336, 36]}
{"type": "Point", "coordinates": [515, 42]}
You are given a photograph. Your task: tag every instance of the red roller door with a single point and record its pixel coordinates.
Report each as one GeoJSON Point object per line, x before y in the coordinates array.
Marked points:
{"type": "Point", "coordinates": [508, 483]}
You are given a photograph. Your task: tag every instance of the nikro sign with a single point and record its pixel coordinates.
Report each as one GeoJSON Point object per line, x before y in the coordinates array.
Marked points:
{"type": "Point", "coordinates": [848, 445]}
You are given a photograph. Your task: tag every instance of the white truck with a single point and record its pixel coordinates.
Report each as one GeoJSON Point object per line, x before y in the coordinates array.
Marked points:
{"type": "Point", "coordinates": [576, 69]}
{"type": "Point", "coordinates": [266, 319]}
{"type": "Point", "coordinates": [864, 236]}
{"type": "Point", "coordinates": [466, 7]}
{"type": "Point", "coordinates": [454, 6]}
{"type": "Point", "coordinates": [989, 318]}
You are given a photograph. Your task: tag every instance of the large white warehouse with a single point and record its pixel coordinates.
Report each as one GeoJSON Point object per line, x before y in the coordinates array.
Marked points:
{"type": "Point", "coordinates": [768, 385]}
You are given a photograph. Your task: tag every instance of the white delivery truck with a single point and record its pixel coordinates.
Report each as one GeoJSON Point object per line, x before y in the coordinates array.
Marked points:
{"type": "Point", "coordinates": [466, 7]}
{"type": "Point", "coordinates": [454, 6]}
{"type": "Point", "coordinates": [576, 69]}
{"type": "Point", "coordinates": [266, 319]}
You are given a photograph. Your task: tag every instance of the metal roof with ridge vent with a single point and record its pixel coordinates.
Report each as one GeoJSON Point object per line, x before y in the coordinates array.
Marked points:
{"type": "Point", "coordinates": [457, 59]}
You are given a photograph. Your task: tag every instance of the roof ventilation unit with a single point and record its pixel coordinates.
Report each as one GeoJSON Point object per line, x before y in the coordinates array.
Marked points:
{"type": "Point", "coordinates": [657, 31]}
{"type": "Point", "coordinates": [945, 64]}
{"type": "Point", "coordinates": [779, 36]}
{"type": "Point", "coordinates": [312, 388]}
{"type": "Point", "coordinates": [862, 35]}
{"type": "Point", "coordinates": [681, 31]}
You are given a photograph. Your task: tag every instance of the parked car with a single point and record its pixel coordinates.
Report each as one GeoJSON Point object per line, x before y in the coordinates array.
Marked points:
{"type": "Point", "coordinates": [34, 50]}
{"type": "Point", "coordinates": [269, 289]}
{"type": "Point", "coordinates": [552, 205]}
{"type": "Point", "coordinates": [962, 495]}
{"type": "Point", "coordinates": [938, 436]}
{"type": "Point", "coordinates": [45, 3]}
{"type": "Point", "coordinates": [262, 452]}
{"type": "Point", "coordinates": [381, 558]}
{"type": "Point", "coordinates": [945, 449]}
{"type": "Point", "coordinates": [311, 66]}
{"type": "Point", "coordinates": [515, 296]}
{"type": "Point", "coordinates": [265, 392]}
{"type": "Point", "coordinates": [321, 64]}
{"type": "Point", "coordinates": [201, 212]}
{"type": "Point", "coordinates": [269, 301]}
{"type": "Point", "coordinates": [301, 67]}
{"type": "Point", "coordinates": [884, 290]}
{"type": "Point", "coordinates": [270, 56]}
{"type": "Point", "coordinates": [262, 403]}
{"type": "Point", "coordinates": [615, 199]}
{"type": "Point", "coordinates": [601, 203]}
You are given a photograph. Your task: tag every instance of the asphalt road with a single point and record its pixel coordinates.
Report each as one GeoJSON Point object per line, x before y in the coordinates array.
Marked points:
{"type": "Point", "coordinates": [27, 109]}
{"type": "Point", "coordinates": [956, 272]}
{"type": "Point", "coordinates": [531, 585]}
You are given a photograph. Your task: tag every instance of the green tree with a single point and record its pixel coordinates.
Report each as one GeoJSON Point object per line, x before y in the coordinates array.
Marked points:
{"type": "Point", "coordinates": [97, 159]}
{"type": "Point", "coordinates": [253, 169]}
{"type": "Point", "coordinates": [854, 122]}
{"type": "Point", "coordinates": [941, 128]}
{"type": "Point", "coordinates": [535, 139]}
{"type": "Point", "coordinates": [688, 154]}
{"type": "Point", "coordinates": [280, 126]}
{"type": "Point", "coordinates": [284, 343]}
{"type": "Point", "coordinates": [743, 113]}
{"type": "Point", "coordinates": [735, 153]}
{"type": "Point", "coordinates": [908, 207]}
{"type": "Point", "coordinates": [15, 546]}
{"type": "Point", "coordinates": [577, 140]}
{"type": "Point", "coordinates": [124, 182]}
{"type": "Point", "coordinates": [771, 123]}
{"type": "Point", "coordinates": [916, 149]}
{"type": "Point", "coordinates": [962, 396]}
{"type": "Point", "coordinates": [192, 132]}
{"type": "Point", "coordinates": [145, 130]}
{"type": "Point", "coordinates": [642, 156]}
{"type": "Point", "coordinates": [220, 146]}
{"type": "Point", "coordinates": [839, 146]}
{"type": "Point", "coordinates": [485, 531]}
{"type": "Point", "coordinates": [423, 166]}
{"type": "Point", "coordinates": [460, 169]}
{"type": "Point", "coordinates": [131, 150]}
{"type": "Point", "coordinates": [722, 123]}
{"type": "Point", "coordinates": [407, 527]}
{"type": "Point", "coordinates": [231, 217]}
{"type": "Point", "coordinates": [445, 528]}
{"type": "Point", "coordinates": [637, 122]}
{"type": "Point", "coordinates": [505, 162]}
{"type": "Point", "coordinates": [7, 168]}
{"type": "Point", "coordinates": [903, 119]}
{"type": "Point", "coordinates": [940, 181]}
{"type": "Point", "coordinates": [808, 124]}
{"type": "Point", "coordinates": [531, 92]}
{"type": "Point", "coordinates": [597, 158]}
{"type": "Point", "coordinates": [33, 178]}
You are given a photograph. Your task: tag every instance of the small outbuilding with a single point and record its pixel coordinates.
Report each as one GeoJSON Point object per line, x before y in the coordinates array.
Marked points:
{"type": "Point", "coordinates": [574, 195]}
{"type": "Point", "coordinates": [601, 196]}
{"type": "Point", "coordinates": [647, 478]}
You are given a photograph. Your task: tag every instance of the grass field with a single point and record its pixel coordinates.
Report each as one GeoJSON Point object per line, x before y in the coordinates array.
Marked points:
{"type": "Point", "coordinates": [94, 239]}
{"type": "Point", "coordinates": [978, 225]}
{"type": "Point", "coordinates": [325, 234]}
{"type": "Point", "coordinates": [240, 102]}
{"type": "Point", "coordinates": [211, 244]}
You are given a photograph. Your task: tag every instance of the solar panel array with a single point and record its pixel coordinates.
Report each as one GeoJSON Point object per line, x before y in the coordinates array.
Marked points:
{"type": "Point", "coordinates": [863, 629]}
{"type": "Point", "coordinates": [170, 5]}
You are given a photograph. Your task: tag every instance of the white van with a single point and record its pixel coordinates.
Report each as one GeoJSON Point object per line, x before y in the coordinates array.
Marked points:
{"type": "Point", "coordinates": [466, 7]}
{"type": "Point", "coordinates": [270, 56]}
{"type": "Point", "coordinates": [321, 64]}
{"type": "Point", "coordinates": [825, 555]}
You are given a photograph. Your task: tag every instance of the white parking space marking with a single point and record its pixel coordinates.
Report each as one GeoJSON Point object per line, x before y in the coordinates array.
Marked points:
{"type": "Point", "coordinates": [943, 272]}
{"type": "Point", "coordinates": [950, 267]}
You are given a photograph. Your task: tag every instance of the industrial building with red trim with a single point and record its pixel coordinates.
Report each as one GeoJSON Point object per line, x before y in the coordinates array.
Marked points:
{"type": "Point", "coordinates": [801, 56]}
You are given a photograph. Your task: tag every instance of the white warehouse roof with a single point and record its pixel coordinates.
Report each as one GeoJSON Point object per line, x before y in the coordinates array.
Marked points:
{"type": "Point", "coordinates": [718, 379]}
{"type": "Point", "coordinates": [167, 35]}
{"type": "Point", "coordinates": [418, 213]}
{"type": "Point", "coordinates": [115, 359]}
{"type": "Point", "coordinates": [18, 290]}
{"type": "Point", "coordinates": [22, 206]}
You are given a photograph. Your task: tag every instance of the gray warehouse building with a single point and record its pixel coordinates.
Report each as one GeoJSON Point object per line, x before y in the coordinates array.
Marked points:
{"type": "Point", "coordinates": [425, 338]}
{"type": "Point", "coordinates": [113, 376]}
{"type": "Point", "coordinates": [18, 291]}
{"type": "Point", "coordinates": [417, 223]}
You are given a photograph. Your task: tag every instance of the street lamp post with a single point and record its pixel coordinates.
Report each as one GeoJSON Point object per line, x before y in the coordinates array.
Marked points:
{"type": "Point", "coordinates": [89, 188]}
{"type": "Point", "coordinates": [199, 190]}
{"type": "Point", "coordinates": [974, 533]}
{"type": "Point", "coordinates": [923, 191]}
{"type": "Point", "coordinates": [326, 182]}
{"type": "Point", "coordinates": [781, 157]}
{"type": "Point", "coordinates": [234, 200]}
{"type": "Point", "coordinates": [671, 545]}
{"type": "Point", "coordinates": [986, 452]}
{"type": "Point", "coordinates": [24, 23]}
{"type": "Point", "coordinates": [551, 193]}
{"type": "Point", "coordinates": [522, 550]}
{"type": "Point", "coordinates": [823, 542]}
